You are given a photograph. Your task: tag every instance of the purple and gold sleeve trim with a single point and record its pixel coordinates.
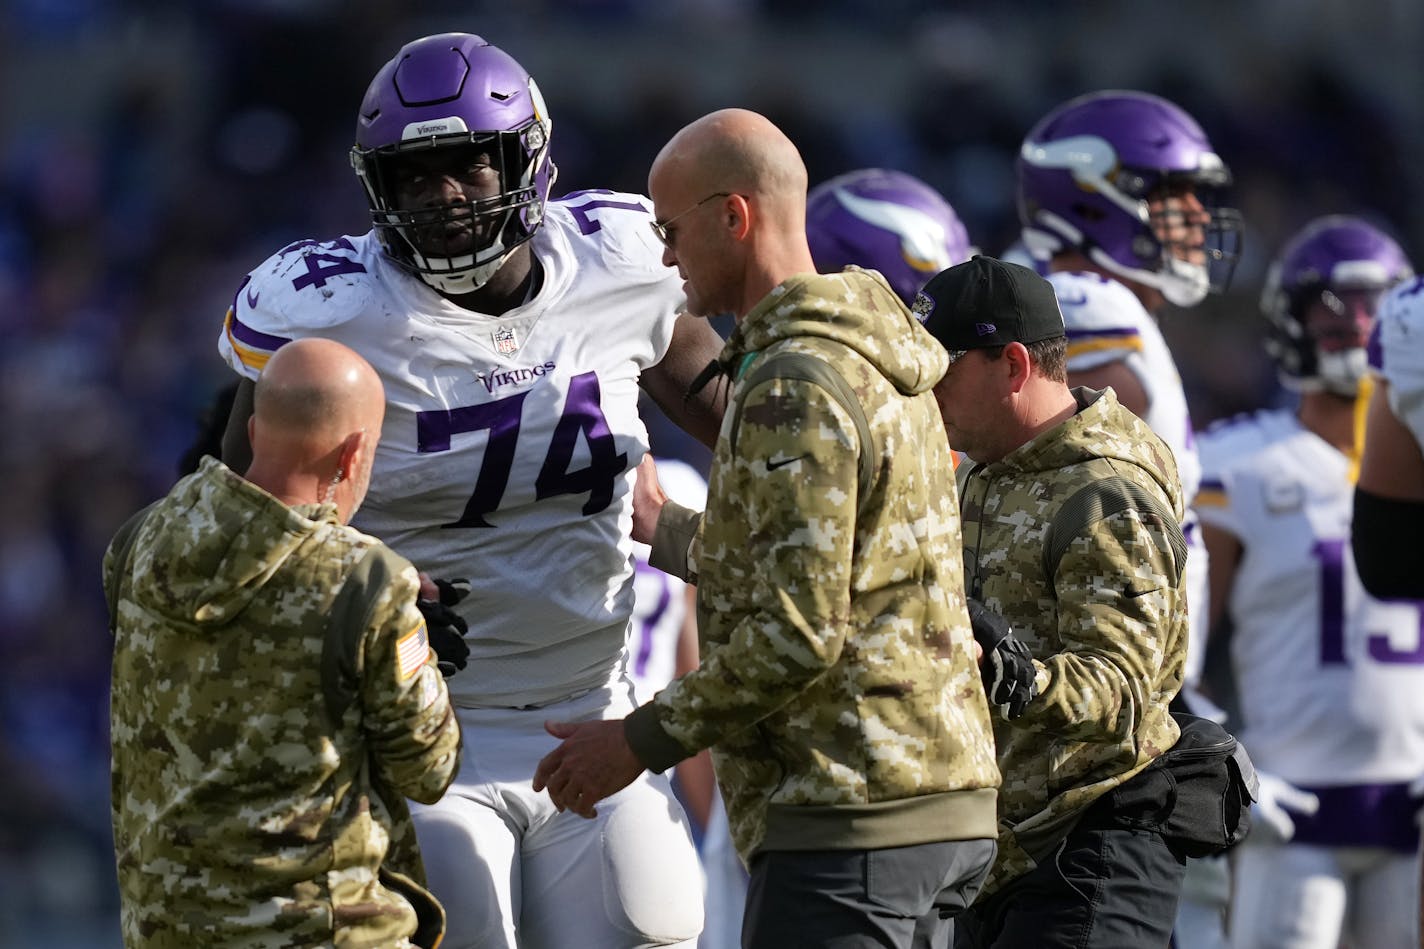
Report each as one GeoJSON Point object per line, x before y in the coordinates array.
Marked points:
{"type": "Point", "coordinates": [1082, 342]}
{"type": "Point", "coordinates": [252, 347]}
{"type": "Point", "coordinates": [1212, 493]}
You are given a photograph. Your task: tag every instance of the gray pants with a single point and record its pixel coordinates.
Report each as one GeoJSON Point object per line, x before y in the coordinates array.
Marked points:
{"type": "Point", "coordinates": [1105, 887]}
{"type": "Point", "coordinates": [898, 898]}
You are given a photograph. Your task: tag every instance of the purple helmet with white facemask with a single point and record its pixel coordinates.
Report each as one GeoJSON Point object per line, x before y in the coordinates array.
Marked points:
{"type": "Point", "coordinates": [887, 221]}
{"type": "Point", "coordinates": [1343, 264]}
{"type": "Point", "coordinates": [1087, 173]}
{"type": "Point", "coordinates": [454, 91]}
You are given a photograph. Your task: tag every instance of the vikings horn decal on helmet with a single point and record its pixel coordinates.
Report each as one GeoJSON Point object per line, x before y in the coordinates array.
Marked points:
{"type": "Point", "coordinates": [1343, 265]}
{"type": "Point", "coordinates": [1087, 173]}
{"type": "Point", "coordinates": [887, 221]}
{"type": "Point", "coordinates": [454, 91]}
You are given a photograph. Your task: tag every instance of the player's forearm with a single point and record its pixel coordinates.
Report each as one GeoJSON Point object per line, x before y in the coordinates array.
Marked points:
{"type": "Point", "coordinates": [1382, 530]}
{"type": "Point", "coordinates": [697, 785]}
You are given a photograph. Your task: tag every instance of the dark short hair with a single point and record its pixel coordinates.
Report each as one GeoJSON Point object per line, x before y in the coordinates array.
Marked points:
{"type": "Point", "coordinates": [1050, 356]}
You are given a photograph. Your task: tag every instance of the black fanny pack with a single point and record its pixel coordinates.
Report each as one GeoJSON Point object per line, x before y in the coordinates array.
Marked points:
{"type": "Point", "coordinates": [1197, 794]}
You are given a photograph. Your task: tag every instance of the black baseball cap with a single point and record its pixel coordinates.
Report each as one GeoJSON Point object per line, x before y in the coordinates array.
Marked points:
{"type": "Point", "coordinates": [986, 302]}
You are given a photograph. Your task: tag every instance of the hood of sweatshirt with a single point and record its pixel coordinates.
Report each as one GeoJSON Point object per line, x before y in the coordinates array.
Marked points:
{"type": "Point", "coordinates": [856, 308]}
{"type": "Point", "coordinates": [1100, 429]}
{"type": "Point", "coordinates": [210, 546]}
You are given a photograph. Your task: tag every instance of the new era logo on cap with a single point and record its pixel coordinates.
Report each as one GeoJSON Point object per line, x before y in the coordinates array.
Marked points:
{"type": "Point", "coordinates": [984, 329]}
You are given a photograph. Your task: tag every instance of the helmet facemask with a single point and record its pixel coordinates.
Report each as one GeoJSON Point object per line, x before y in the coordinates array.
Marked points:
{"type": "Point", "coordinates": [458, 246]}
{"type": "Point", "coordinates": [1321, 298]}
{"type": "Point", "coordinates": [1129, 180]}
{"type": "Point", "coordinates": [1318, 339]}
{"type": "Point", "coordinates": [1196, 248]}
{"type": "Point", "coordinates": [1182, 253]}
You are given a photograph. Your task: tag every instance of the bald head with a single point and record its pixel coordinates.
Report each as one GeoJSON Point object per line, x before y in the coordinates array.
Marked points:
{"type": "Point", "coordinates": [734, 188]}
{"type": "Point", "coordinates": [738, 151]}
{"type": "Point", "coordinates": [317, 389]}
{"type": "Point", "coordinates": [317, 414]}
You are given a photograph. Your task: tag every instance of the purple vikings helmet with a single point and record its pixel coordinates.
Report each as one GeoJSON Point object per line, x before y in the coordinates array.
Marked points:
{"type": "Point", "coordinates": [887, 221]}
{"type": "Point", "coordinates": [1345, 264]}
{"type": "Point", "coordinates": [453, 91]}
{"type": "Point", "coordinates": [1086, 173]}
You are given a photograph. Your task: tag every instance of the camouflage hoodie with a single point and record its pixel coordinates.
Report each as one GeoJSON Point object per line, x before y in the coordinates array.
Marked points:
{"type": "Point", "coordinates": [243, 814]}
{"type": "Point", "coordinates": [838, 688]}
{"type": "Point", "coordinates": [1108, 633]}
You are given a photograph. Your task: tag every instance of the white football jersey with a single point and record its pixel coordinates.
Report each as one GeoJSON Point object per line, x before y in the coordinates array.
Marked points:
{"type": "Point", "coordinates": [509, 442]}
{"type": "Point", "coordinates": [660, 599]}
{"type": "Point", "coordinates": [1331, 680]}
{"type": "Point", "coordinates": [1106, 323]}
{"type": "Point", "coordinates": [1400, 352]}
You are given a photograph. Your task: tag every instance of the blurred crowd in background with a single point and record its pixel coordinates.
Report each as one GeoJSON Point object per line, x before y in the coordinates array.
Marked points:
{"type": "Point", "coordinates": [153, 151]}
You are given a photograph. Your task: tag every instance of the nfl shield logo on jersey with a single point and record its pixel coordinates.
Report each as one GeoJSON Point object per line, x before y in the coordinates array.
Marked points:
{"type": "Point", "coordinates": [504, 341]}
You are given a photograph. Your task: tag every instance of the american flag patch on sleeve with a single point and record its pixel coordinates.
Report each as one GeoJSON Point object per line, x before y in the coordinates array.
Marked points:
{"type": "Point", "coordinates": [412, 650]}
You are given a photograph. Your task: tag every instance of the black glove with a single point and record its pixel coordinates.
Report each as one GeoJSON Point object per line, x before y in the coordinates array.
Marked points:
{"type": "Point", "coordinates": [1010, 680]}
{"type": "Point", "coordinates": [445, 627]}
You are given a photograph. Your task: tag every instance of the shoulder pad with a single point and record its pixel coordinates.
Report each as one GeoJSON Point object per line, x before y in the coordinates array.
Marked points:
{"type": "Point", "coordinates": [1230, 442]}
{"type": "Point", "coordinates": [619, 223]}
{"type": "Point", "coordinates": [1093, 302]}
{"type": "Point", "coordinates": [306, 287]}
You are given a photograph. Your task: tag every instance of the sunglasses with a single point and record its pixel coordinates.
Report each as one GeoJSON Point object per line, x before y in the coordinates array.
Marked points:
{"type": "Point", "coordinates": [660, 228]}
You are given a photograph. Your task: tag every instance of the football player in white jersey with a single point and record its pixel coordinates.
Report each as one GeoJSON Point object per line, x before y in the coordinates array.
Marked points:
{"type": "Point", "coordinates": [1389, 498]}
{"type": "Point", "coordinates": [1330, 679]}
{"type": "Point", "coordinates": [512, 333]}
{"type": "Point", "coordinates": [1117, 189]}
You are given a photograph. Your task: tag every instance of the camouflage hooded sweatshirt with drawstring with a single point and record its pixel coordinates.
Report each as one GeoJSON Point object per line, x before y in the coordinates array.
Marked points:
{"type": "Point", "coordinates": [1108, 630]}
{"type": "Point", "coordinates": [838, 688]}
{"type": "Point", "coordinates": [244, 815]}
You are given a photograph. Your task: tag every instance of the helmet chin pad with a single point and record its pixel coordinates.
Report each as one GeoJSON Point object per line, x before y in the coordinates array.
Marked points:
{"type": "Point", "coordinates": [1183, 284]}
{"type": "Point", "coordinates": [454, 276]}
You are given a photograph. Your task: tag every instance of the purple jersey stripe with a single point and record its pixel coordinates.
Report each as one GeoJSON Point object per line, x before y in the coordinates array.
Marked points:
{"type": "Point", "coordinates": [1212, 484]}
{"type": "Point", "coordinates": [1361, 815]}
{"type": "Point", "coordinates": [250, 337]}
{"type": "Point", "coordinates": [1126, 332]}
{"type": "Point", "coordinates": [1374, 349]}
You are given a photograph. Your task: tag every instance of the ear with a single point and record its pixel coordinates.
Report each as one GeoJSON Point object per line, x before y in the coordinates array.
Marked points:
{"type": "Point", "coordinates": [353, 450]}
{"type": "Point", "coordinates": [737, 212]}
{"type": "Point", "coordinates": [1020, 365]}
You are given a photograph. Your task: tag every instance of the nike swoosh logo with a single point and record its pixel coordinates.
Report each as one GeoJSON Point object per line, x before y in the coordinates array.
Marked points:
{"type": "Point", "coordinates": [773, 463]}
{"type": "Point", "coordinates": [252, 298]}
